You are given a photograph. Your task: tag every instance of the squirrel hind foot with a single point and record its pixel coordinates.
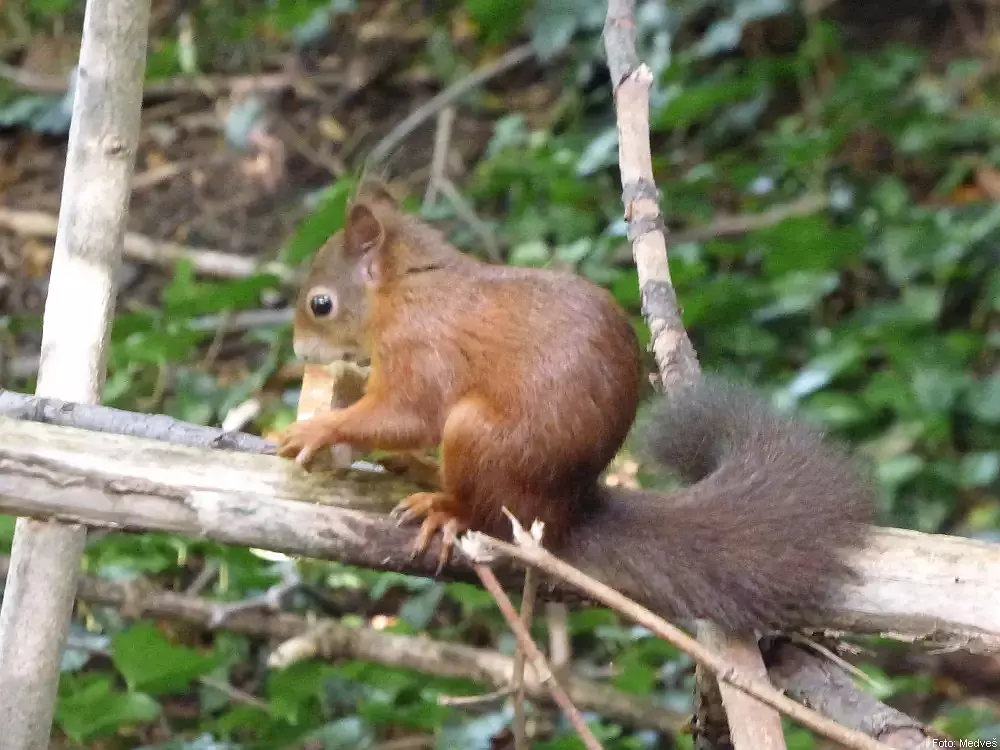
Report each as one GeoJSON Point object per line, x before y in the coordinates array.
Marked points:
{"type": "Point", "coordinates": [441, 515]}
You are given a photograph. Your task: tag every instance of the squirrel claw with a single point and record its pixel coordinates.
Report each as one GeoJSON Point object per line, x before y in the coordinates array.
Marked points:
{"type": "Point", "coordinates": [416, 505]}
{"type": "Point", "coordinates": [444, 521]}
{"type": "Point", "coordinates": [302, 441]}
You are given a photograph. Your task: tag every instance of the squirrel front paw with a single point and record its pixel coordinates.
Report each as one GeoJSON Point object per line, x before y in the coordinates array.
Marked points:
{"type": "Point", "coordinates": [302, 441]}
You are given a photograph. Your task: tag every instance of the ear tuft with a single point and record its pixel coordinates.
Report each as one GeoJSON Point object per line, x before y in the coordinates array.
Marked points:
{"type": "Point", "coordinates": [363, 231]}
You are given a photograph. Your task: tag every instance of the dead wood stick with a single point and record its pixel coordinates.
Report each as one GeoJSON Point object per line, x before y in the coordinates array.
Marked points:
{"type": "Point", "coordinates": [335, 640]}
{"type": "Point", "coordinates": [542, 669]}
{"type": "Point", "coordinates": [155, 252]}
{"type": "Point", "coordinates": [928, 588]}
{"type": "Point", "coordinates": [479, 546]}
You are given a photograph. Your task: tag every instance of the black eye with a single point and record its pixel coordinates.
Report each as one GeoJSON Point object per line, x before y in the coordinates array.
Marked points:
{"type": "Point", "coordinates": [321, 305]}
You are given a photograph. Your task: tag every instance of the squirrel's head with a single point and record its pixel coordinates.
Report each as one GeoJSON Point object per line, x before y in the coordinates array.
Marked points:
{"type": "Point", "coordinates": [333, 303]}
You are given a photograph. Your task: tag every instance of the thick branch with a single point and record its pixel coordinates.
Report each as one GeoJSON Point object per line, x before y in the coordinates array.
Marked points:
{"type": "Point", "coordinates": [100, 157]}
{"type": "Point", "coordinates": [829, 689]}
{"type": "Point", "coordinates": [119, 422]}
{"type": "Point", "coordinates": [917, 587]}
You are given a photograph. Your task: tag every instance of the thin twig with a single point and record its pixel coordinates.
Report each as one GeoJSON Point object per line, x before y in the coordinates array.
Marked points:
{"type": "Point", "coordinates": [211, 86]}
{"type": "Point", "coordinates": [474, 544]}
{"type": "Point", "coordinates": [545, 674]}
{"type": "Point", "coordinates": [156, 252]}
{"type": "Point", "coordinates": [840, 661]}
{"type": "Point", "coordinates": [439, 160]}
{"type": "Point", "coordinates": [739, 224]}
{"type": "Point", "coordinates": [475, 700]}
{"type": "Point", "coordinates": [39, 83]}
{"type": "Point", "coordinates": [269, 601]}
{"type": "Point", "coordinates": [235, 694]}
{"type": "Point", "coordinates": [468, 214]}
{"type": "Point", "coordinates": [445, 98]}
{"type": "Point", "coordinates": [27, 365]}
{"type": "Point", "coordinates": [152, 177]}
{"type": "Point", "coordinates": [557, 614]}
{"type": "Point", "coordinates": [527, 611]}
{"type": "Point", "coordinates": [203, 579]}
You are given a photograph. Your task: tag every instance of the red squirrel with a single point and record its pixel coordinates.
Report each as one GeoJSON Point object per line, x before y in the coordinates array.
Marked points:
{"type": "Point", "coordinates": [529, 380]}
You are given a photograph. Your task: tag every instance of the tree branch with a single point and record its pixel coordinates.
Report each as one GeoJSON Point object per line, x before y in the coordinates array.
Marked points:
{"type": "Point", "coordinates": [100, 159]}
{"type": "Point", "coordinates": [155, 252]}
{"type": "Point", "coordinates": [408, 652]}
{"type": "Point", "coordinates": [830, 690]}
{"type": "Point", "coordinates": [479, 546]}
{"type": "Point", "coordinates": [542, 669]}
{"type": "Point", "coordinates": [445, 98]}
{"type": "Point", "coordinates": [751, 725]}
{"type": "Point", "coordinates": [916, 587]}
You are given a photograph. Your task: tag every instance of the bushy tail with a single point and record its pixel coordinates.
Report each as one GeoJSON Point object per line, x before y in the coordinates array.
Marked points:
{"type": "Point", "coordinates": [759, 540]}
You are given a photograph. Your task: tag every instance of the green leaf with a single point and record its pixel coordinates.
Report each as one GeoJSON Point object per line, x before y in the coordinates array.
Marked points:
{"type": "Point", "coordinates": [349, 733]}
{"type": "Point", "coordinates": [983, 399]}
{"type": "Point", "coordinates": [292, 692]}
{"type": "Point", "coordinates": [635, 677]}
{"type": "Point", "coordinates": [324, 221]}
{"type": "Point", "coordinates": [836, 410]}
{"type": "Point", "coordinates": [936, 388]}
{"type": "Point", "coordinates": [185, 297]}
{"type": "Point", "coordinates": [896, 471]}
{"type": "Point", "coordinates": [149, 662]}
{"type": "Point", "coordinates": [535, 253]}
{"type": "Point", "coordinates": [497, 19]}
{"type": "Point", "coordinates": [979, 469]}
{"type": "Point", "coordinates": [797, 292]}
{"type": "Point", "coordinates": [477, 734]}
{"type": "Point", "coordinates": [821, 370]}
{"type": "Point", "coordinates": [725, 35]}
{"type": "Point", "coordinates": [420, 608]}
{"type": "Point", "coordinates": [690, 104]}
{"type": "Point", "coordinates": [90, 708]}
{"type": "Point", "coordinates": [472, 599]}
{"type": "Point", "coordinates": [554, 23]}
{"type": "Point", "coordinates": [829, 247]}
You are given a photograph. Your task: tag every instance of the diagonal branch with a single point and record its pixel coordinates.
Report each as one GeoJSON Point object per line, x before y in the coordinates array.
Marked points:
{"type": "Point", "coordinates": [542, 669]}
{"type": "Point", "coordinates": [476, 544]}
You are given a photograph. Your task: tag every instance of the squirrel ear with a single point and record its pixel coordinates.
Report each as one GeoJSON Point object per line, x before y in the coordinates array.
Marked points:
{"type": "Point", "coordinates": [363, 231]}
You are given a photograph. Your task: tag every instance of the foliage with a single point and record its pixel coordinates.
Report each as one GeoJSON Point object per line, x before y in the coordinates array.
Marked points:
{"type": "Point", "coordinates": [876, 318]}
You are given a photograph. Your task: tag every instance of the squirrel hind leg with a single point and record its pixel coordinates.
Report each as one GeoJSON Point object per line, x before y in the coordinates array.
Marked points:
{"type": "Point", "coordinates": [491, 462]}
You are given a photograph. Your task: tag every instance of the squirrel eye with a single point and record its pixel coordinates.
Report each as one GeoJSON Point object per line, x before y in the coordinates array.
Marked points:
{"type": "Point", "coordinates": [321, 305]}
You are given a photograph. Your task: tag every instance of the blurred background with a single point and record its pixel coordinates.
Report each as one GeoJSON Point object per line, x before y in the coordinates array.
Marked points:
{"type": "Point", "coordinates": [830, 173]}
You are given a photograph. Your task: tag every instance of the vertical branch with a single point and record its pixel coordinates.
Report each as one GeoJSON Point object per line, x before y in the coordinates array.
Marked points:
{"type": "Point", "coordinates": [752, 726]}
{"type": "Point", "coordinates": [527, 612]}
{"type": "Point", "coordinates": [103, 138]}
{"type": "Point", "coordinates": [675, 357]}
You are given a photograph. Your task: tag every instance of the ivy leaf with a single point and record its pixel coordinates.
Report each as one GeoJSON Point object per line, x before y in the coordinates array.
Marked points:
{"type": "Point", "coordinates": [497, 19]}
{"type": "Point", "coordinates": [979, 469]}
{"type": "Point", "coordinates": [326, 219]}
{"type": "Point", "coordinates": [554, 23]}
{"type": "Point", "coordinates": [984, 399]}
{"type": "Point", "coordinates": [148, 661]}
{"type": "Point", "coordinates": [92, 708]}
